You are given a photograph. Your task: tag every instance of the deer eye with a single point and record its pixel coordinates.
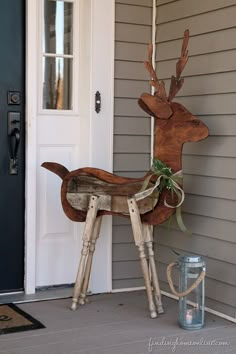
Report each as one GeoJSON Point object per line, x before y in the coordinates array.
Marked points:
{"type": "Point", "coordinates": [195, 122]}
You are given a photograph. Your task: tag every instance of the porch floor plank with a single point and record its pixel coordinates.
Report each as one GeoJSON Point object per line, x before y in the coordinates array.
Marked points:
{"type": "Point", "coordinates": [115, 324]}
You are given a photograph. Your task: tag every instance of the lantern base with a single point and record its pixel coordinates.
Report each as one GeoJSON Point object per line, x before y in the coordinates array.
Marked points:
{"type": "Point", "coordinates": [191, 326]}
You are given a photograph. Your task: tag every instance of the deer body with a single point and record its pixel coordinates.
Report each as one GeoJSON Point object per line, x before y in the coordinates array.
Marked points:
{"type": "Point", "coordinates": [88, 193]}
{"type": "Point", "coordinates": [170, 135]}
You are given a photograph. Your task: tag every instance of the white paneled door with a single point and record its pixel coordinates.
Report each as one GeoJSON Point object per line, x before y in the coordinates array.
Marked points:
{"type": "Point", "coordinates": [70, 56]}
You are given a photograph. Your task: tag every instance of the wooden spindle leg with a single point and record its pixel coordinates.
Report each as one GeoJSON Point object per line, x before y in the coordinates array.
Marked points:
{"type": "Point", "coordinates": [88, 230]}
{"type": "Point", "coordinates": [148, 238]}
{"type": "Point", "coordinates": [87, 272]}
{"type": "Point", "coordinates": [139, 242]}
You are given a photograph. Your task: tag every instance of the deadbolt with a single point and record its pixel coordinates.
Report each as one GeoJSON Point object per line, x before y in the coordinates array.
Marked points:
{"type": "Point", "coordinates": [13, 98]}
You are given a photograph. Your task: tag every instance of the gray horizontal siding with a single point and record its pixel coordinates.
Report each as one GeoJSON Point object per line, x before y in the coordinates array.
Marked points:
{"type": "Point", "coordinates": [220, 124]}
{"type": "Point", "coordinates": [143, 3]}
{"type": "Point", "coordinates": [210, 186]}
{"type": "Point", "coordinates": [217, 305]}
{"type": "Point", "coordinates": [132, 126]}
{"type": "Point", "coordinates": [204, 64]}
{"type": "Point", "coordinates": [213, 146]}
{"type": "Point", "coordinates": [129, 70]}
{"type": "Point", "coordinates": [216, 20]}
{"type": "Point", "coordinates": [125, 254]}
{"type": "Point", "coordinates": [215, 290]}
{"type": "Point", "coordinates": [130, 88]}
{"type": "Point", "coordinates": [214, 248]}
{"type": "Point", "coordinates": [127, 107]}
{"type": "Point", "coordinates": [219, 270]}
{"type": "Point", "coordinates": [209, 166]}
{"type": "Point", "coordinates": [132, 13]}
{"type": "Point", "coordinates": [189, 8]}
{"type": "Point", "coordinates": [199, 44]}
{"type": "Point", "coordinates": [215, 104]}
{"type": "Point", "coordinates": [164, 2]}
{"type": "Point", "coordinates": [132, 141]}
{"type": "Point", "coordinates": [205, 166]}
{"type": "Point", "coordinates": [212, 207]}
{"type": "Point", "coordinates": [130, 269]}
{"type": "Point", "coordinates": [212, 84]}
{"type": "Point", "coordinates": [127, 283]}
{"type": "Point", "coordinates": [134, 52]}
{"type": "Point", "coordinates": [131, 162]}
{"type": "Point", "coordinates": [219, 229]}
{"type": "Point", "coordinates": [221, 307]}
{"type": "Point", "coordinates": [164, 236]}
{"type": "Point", "coordinates": [131, 144]}
{"type": "Point", "coordinates": [131, 33]}
{"type": "Point", "coordinates": [126, 270]}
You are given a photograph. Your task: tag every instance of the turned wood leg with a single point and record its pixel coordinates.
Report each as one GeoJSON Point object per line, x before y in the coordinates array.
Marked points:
{"type": "Point", "coordinates": [87, 272]}
{"type": "Point", "coordinates": [139, 242]}
{"type": "Point", "coordinates": [88, 230]}
{"type": "Point", "coordinates": [148, 238]}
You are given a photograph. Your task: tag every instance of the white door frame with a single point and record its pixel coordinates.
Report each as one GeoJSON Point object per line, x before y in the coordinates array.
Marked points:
{"type": "Point", "coordinates": [104, 9]}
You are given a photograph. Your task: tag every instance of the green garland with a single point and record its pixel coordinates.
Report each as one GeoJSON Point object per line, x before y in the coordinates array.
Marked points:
{"type": "Point", "coordinates": [166, 179]}
{"type": "Point", "coordinates": [160, 169]}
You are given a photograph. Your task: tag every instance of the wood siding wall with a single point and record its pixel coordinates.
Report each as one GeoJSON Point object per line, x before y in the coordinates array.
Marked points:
{"type": "Point", "coordinates": [209, 166]}
{"type": "Point", "coordinates": [132, 143]}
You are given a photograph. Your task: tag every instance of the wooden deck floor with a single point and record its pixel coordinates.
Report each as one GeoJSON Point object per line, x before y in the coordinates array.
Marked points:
{"type": "Point", "coordinates": [116, 324]}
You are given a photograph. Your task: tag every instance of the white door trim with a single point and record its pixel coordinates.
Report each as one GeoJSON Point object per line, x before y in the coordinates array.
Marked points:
{"type": "Point", "coordinates": [30, 149]}
{"type": "Point", "coordinates": [98, 122]}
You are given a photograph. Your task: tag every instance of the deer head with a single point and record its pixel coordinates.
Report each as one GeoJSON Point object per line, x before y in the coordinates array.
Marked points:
{"type": "Point", "coordinates": [179, 124]}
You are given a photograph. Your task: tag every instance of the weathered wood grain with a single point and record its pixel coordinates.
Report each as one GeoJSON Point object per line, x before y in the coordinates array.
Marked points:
{"type": "Point", "coordinates": [88, 193]}
{"type": "Point", "coordinates": [174, 126]}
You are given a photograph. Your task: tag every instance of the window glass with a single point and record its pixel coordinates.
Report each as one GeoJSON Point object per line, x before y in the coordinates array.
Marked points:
{"type": "Point", "coordinates": [57, 61]}
{"type": "Point", "coordinates": [58, 27]}
{"type": "Point", "coordinates": [57, 83]}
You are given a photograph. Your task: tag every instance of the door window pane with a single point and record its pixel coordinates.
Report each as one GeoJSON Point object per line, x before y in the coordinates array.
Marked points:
{"type": "Point", "coordinates": [57, 83]}
{"type": "Point", "coordinates": [57, 27]}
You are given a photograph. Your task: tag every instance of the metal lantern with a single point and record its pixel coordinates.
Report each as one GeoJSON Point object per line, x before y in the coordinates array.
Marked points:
{"type": "Point", "coordinates": [192, 270]}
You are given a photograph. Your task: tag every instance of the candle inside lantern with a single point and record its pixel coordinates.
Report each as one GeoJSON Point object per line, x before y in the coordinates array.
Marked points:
{"type": "Point", "coordinates": [189, 317]}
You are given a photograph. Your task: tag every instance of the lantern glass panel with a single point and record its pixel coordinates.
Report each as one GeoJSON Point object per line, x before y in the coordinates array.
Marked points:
{"type": "Point", "coordinates": [191, 307]}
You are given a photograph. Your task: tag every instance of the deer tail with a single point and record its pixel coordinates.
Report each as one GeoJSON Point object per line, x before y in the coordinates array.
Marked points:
{"type": "Point", "coordinates": [55, 167]}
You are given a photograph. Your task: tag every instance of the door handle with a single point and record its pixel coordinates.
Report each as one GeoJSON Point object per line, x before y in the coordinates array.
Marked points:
{"type": "Point", "coordinates": [14, 140]}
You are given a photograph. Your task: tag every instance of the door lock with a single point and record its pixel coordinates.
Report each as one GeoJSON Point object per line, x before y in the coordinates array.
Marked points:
{"type": "Point", "coordinates": [13, 98]}
{"type": "Point", "coordinates": [13, 132]}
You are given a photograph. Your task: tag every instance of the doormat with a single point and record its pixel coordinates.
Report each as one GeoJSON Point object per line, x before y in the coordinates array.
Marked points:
{"type": "Point", "coordinates": [13, 319]}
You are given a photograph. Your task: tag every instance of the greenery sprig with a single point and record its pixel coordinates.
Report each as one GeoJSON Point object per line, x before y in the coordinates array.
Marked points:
{"type": "Point", "coordinates": [159, 168]}
{"type": "Point", "coordinates": [166, 179]}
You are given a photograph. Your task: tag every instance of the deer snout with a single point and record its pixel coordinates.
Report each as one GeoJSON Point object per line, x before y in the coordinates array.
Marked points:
{"type": "Point", "coordinates": [200, 130]}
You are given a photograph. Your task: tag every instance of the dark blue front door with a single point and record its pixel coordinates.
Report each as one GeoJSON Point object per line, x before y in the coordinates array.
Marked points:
{"type": "Point", "coordinates": [12, 102]}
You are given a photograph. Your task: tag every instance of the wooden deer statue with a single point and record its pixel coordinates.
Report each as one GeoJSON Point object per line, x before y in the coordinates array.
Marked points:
{"type": "Point", "coordinates": [89, 193]}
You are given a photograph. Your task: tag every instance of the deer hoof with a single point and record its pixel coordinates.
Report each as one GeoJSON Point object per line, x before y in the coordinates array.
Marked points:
{"type": "Point", "coordinates": [160, 309]}
{"type": "Point", "coordinates": [74, 306]}
{"type": "Point", "coordinates": [82, 301]}
{"type": "Point", "coordinates": [153, 314]}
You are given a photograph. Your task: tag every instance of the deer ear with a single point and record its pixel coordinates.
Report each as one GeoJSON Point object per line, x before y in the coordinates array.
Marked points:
{"type": "Point", "coordinates": [155, 106]}
{"type": "Point", "coordinates": [144, 107]}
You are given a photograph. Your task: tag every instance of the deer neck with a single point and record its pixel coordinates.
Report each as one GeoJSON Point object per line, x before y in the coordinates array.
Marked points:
{"type": "Point", "coordinates": [167, 148]}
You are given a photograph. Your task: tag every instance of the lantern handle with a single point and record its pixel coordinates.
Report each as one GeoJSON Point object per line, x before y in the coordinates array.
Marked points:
{"type": "Point", "coordinates": [191, 288]}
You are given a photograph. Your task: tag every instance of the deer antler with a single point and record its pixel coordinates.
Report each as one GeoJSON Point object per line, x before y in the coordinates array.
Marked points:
{"type": "Point", "coordinates": [158, 85]}
{"type": "Point", "coordinates": [155, 105]}
{"type": "Point", "coordinates": [177, 82]}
